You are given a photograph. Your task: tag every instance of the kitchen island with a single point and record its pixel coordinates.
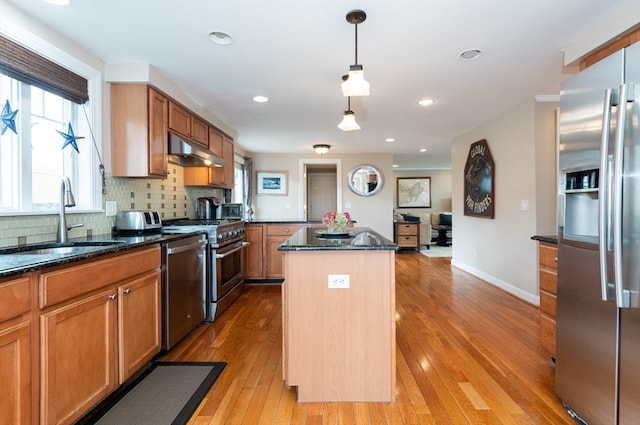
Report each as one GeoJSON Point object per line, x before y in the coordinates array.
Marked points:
{"type": "Point", "coordinates": [338, 301]}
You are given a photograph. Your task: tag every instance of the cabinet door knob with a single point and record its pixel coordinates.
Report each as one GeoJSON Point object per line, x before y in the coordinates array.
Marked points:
{"type": "Point", "coordinates": [127, 290]}
{"type": "Point", "coordinates": [113, 296]}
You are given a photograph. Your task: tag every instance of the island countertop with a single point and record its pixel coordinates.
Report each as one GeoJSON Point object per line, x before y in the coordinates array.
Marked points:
{"type": "Point", "coordinates": [354, 238]}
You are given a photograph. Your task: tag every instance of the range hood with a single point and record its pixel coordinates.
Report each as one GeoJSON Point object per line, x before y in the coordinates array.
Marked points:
{"type": "Point", "coordinates": [189, 154]}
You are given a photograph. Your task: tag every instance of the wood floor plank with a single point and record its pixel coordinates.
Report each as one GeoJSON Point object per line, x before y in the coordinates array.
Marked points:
{"type": "Point", "coordinates": [467, 353]}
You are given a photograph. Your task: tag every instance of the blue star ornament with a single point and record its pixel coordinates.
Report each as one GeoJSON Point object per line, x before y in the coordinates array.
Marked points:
{"type": "Point", "coordinates": [8, 118]}
{"type": "Point", "coordinates": [70, 138]}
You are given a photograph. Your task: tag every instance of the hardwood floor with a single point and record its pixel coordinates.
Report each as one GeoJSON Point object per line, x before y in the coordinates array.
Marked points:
{"type": "Point", "coordinates": [467, 352]}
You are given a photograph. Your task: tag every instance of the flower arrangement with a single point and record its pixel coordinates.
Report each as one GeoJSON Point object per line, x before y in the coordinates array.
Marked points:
{"type": "Point", "coordinates": [336, 220]}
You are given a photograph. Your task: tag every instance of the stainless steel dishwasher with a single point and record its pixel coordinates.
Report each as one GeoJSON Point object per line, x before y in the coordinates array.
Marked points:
{"type": "Point", "coordinates": [184, 293]}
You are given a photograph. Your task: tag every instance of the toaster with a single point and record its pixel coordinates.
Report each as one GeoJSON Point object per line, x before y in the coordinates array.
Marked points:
{"type": "Point", "coordinates": [138, 220]}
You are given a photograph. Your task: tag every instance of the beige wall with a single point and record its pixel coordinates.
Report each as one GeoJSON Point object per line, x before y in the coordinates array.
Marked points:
{"type": "Point", "coordinates": [375, 212]}
{"type": "Point", "coordinates": [501, 250]}
{"type": "Point", "coordinates": [440, 190]}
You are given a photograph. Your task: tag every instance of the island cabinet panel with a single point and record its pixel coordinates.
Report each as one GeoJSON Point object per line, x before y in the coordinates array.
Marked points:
{"type": "Point", "coordinates": [16, 355]}
{"type": "Point", "coordinates": [339, 344]}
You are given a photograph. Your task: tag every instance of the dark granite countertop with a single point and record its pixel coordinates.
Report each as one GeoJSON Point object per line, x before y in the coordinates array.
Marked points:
{"type": "Point", "coordinates": [545, 238]}
{"type": "Point", "coordinates": [282, 222]}
{"type": "Point", "coordinates": [12, 262]}
{"type": "Point", "coordinates": [356, 238]}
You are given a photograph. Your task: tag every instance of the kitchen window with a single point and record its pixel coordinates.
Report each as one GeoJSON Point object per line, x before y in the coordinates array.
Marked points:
{"type": "Point", "coordinates": [32, 159]}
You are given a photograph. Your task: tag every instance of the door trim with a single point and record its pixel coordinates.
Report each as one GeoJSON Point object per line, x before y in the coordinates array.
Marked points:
{"type": "Point", "coordinates": [302, 187]}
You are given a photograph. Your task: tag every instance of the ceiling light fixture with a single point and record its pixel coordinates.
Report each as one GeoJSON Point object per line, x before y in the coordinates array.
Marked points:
{"type": "Point", "coordinates": [60, 2]}
{"type": "Point", "coordinates": [219, 37]}
{"type": "Point", "coordinates": [470, 54]}
{"type": "Point", "coordinates": [348, 122]}
{"type": "Point", "coordinates": [321, 149]}
{"type": "Point", "coordinates": [426, 102]}
{"type": "Point", "coordinates": [356, 85]}
{"type": "Point", "coordinates": [260, 99]}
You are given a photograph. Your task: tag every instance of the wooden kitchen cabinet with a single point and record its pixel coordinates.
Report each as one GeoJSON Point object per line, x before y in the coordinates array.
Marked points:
{"type": "Point", "coordinates": [215, 141]}
{"type": "Point", "coordinates": [407, 235]}
{"type": "Point", "coordinates": [139, 131]}
{"type": "Point", "coordinates": [100, 324]}
{"type": "Point", "coordinates": [254, 253]}
{"type": "Point", "coordinates": [16, 355]}
{"type": "Point", "coordinates": [548, 276]}
{"type": "Point", "coordinates": [214, 176]}
{"type": "Point", "coordinates": [79, 363]}
{"type": "Point", "coordinates": [276, 235]}
{"type": "Point", "coordinates": [139, 324]}
{"type": "Point", "coordinates": [183, 122]}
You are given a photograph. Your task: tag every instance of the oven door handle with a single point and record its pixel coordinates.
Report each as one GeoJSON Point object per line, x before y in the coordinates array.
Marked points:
{"type": "Point", "coordinates": [183, 248]}
{"type": "Point", "coordinates": [242, 246]}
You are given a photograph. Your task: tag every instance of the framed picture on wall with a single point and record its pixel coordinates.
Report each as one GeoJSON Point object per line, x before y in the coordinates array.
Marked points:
{"type": "Point", "coordinates": [479, 196]}
{"type": "Point", "coordinates": [414, 192]}
{"type": "Point", "coordinates": [271, 182]}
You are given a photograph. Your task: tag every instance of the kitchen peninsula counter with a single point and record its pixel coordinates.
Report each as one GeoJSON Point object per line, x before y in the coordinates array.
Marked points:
{"type": "Point", "coordinates": [338, 300]}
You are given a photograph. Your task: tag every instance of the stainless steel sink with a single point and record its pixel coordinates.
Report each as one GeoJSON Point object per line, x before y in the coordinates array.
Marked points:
{"type": "Point", "coordinates": [63, 248]}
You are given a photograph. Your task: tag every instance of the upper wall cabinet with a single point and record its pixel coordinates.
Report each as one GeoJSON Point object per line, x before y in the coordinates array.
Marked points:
{"type": "Point", "coordinates": [188, 125]}
{"type": "Point", "coordinates": [216, 176]}
{"type": "Point", "coordinates": [139, 123]}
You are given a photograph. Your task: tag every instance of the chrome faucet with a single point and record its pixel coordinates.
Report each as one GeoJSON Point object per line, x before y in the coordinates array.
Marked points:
{"type": "Point", "coordinates": [66, 200]}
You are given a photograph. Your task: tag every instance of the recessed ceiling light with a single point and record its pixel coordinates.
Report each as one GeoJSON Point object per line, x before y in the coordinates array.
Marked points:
{"type": "Point", "coordinates": [422, 150]}
{"type": "Point", "coordinates": [395, 166]}
{"type": "Point", "coordinates": [389, 140]}
{"type": "Point", "coordinates": [426, 102]}
{"type": "Point", "coordinates": [260, 99]}
{"type": "Point", "coordinates": [219, 37]}
{"type": "Point", "coordinates": [59, 2]}
{"type": "Point", "coordinates": [470, 54]}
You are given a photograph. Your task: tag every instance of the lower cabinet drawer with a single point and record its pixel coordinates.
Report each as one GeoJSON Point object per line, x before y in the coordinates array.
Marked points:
{"type": "Point", "coordinates": [548, 304]}
{"type": "Point", "coordinates": [411, 241]}
{"type": "Point", "coordinates": [548, 334]}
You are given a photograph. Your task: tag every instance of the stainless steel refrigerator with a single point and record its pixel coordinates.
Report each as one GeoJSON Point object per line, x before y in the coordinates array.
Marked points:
{"type": "Point", "coordinates": [598, 314]}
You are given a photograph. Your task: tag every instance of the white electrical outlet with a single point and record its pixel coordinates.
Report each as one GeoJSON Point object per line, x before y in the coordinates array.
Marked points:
{"type": "Point", "coordinates": [111, 208]}
{"type": "Point", "coordinates": [338, 281]}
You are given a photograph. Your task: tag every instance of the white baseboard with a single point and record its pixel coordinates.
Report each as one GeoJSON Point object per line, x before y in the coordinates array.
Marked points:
{"type": "Point", "coordinates": [526, 296]}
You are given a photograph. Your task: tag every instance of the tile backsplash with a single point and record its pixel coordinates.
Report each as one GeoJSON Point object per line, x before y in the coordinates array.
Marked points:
{"type": "Point", "coordinates": [168, 196]}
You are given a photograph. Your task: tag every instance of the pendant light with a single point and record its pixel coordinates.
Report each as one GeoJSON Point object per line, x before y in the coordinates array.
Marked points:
{"type": "Point", "coordinates": [348, 122]}
{"type": "Point", "coordinates": [321, 149]}
{"type": "Point", "coordinates": [356, 85]}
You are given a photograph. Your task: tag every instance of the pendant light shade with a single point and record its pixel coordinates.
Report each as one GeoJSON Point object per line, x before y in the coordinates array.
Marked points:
{"type": "Point", "coordinates": [355, 84]}
{"type": "Point", "coordinates": [321, 149]}
{"type": "Point", "coordinates": [348, 122]}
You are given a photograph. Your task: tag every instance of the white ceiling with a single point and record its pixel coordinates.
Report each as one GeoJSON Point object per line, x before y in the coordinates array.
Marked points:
{"type": "Point", "coordinates": [295, 52]}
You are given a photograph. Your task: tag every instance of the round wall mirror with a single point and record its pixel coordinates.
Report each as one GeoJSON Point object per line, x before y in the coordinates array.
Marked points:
{"type": "Point", "coordinates": [365, 180]}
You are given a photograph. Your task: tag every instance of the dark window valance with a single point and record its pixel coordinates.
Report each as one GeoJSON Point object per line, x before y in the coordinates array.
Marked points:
{"type": "Point", "coordinates": [27, 66]}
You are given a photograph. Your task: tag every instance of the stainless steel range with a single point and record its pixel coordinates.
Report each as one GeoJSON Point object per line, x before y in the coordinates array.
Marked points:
{"type": "Point", "coordinates": [225, 271]}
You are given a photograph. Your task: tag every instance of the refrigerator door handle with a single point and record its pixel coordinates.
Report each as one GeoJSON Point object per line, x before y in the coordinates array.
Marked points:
{"type": "Point", "coordinates": [603, 216]}
{"type": "Point", "coordinates": [618, 153]}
